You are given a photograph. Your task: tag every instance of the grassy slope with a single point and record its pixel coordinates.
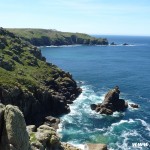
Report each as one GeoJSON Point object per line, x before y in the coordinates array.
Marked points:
{"type": "Point", "coordinates": [28, 70]}
{"type": "Point", "coordinates": [40, 37]}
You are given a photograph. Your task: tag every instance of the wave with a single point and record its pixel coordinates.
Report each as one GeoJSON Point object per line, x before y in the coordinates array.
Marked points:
{"type": "Point", "coordinates": [145, 124]}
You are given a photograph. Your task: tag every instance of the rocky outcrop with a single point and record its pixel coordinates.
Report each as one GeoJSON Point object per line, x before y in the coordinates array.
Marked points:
{"type": "Point", "coordinates": [125, 44]}
{"type": "Point", "coordinates": [134, 105]}
{"type": "Point", "coordinates": [13, 129]}
{"type": "Point", "coordinates": [46, 138]}
{"type": "Point", "coordinates": [52, 121]}
{"type": "Point", "coordinates": [90, 146]}
{"type": "Point", "coordinates": [14, 135]}
{"type": "Point", "coordinates": [111, 103]}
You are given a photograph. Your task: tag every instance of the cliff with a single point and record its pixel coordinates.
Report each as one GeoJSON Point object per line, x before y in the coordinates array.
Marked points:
{"type": "Point", "coordinates": [38, 88]}
{"type": "Point", "coordinates": [45, 37]}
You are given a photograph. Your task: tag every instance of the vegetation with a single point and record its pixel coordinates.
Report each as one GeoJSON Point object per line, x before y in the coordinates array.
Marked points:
{"type": "Point", "coordinates": [43, 37]}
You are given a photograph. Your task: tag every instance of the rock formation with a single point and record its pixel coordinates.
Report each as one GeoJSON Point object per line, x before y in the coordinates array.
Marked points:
{"type": "Point", "coordinates": [111, 103]}
{"type": "Point", "coordinates": [134, 105]}
{"type": "Point", "coordinates": [13, 129]}
{"type": "Point", "coordinates": [14, 135]}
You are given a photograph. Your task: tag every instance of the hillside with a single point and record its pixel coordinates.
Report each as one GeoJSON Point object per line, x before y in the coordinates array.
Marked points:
{"type": "Point", "coordinates": [38, 88]}
{"type": "Point", "coordinates": [45, 37]}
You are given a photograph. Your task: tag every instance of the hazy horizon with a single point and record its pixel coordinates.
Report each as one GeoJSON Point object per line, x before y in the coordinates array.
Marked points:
{"type": "Point", "coordinates": [100, 17]}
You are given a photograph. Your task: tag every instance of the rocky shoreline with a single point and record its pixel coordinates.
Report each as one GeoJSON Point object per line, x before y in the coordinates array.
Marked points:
{"type": "Point", "coordinates": [14, 135]}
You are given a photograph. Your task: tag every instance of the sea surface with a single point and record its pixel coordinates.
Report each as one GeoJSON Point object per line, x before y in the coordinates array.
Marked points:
{"type": "Point", "coordinates": [98, 69]}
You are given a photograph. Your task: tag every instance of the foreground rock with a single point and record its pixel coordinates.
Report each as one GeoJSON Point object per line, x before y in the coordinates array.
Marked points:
{"type": "Point", "coordinates": [90, 146]}
{"type": "Point", "coordinates": [52, 121]}
{"type": "Point", "coordinates": [111, 103]}
{"type": "Point", "coordinates": [14, 135]}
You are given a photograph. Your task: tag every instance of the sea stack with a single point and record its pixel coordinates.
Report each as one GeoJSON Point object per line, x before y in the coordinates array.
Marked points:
{"type": "Point", "coordinates": [111, 103]}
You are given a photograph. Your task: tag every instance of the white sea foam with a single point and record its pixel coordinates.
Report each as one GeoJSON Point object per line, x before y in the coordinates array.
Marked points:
{"type": "Point", "coordinates": [145, 124]}
{"type": "Point", "coordinates": [81, 108]}
{"type": "Point", "coordinates": [123, 121]}
{"type": "Point", "coordinates": [53, 46]}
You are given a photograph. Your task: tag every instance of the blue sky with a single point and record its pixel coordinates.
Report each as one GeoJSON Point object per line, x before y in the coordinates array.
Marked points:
{"type": "Point", "coordinates": [116, 17]}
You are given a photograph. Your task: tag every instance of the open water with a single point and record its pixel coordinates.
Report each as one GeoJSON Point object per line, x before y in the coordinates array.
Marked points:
{"type": "Point", "coordinates": [97, 69]}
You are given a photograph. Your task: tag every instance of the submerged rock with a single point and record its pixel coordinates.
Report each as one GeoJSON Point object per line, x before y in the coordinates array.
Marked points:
{"type": "Point", "coordinates": [125, 44]}
{"type": "Point", "coordinates": [111, 103]}
{"type": "Point", "coordinates": [134, 105]}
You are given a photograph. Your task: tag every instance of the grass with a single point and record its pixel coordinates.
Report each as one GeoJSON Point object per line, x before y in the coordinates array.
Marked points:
{"type": "Point", "coordinates": [22, 73]}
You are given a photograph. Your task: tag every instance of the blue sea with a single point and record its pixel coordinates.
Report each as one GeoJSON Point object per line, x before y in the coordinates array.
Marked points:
{"type": "Point", "coordinates": [98, 69]}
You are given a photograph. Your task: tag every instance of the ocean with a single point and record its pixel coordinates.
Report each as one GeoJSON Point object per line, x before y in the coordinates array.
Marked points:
{"type": "Point", "coordinates": [97, 69]}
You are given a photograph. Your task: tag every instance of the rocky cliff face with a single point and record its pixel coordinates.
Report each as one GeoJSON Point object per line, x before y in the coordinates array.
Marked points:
{"type": "Point", "coordinates": [38, 88]}
{"type": "Point", "coordinates": [14, 135]}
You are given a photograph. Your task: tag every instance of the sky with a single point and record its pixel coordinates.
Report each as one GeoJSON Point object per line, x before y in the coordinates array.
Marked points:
{"type": "Point", "coordinates": [105, 17]}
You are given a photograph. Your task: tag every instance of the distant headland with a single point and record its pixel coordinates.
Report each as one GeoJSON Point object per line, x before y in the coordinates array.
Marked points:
{"type": "Point", "coordinates": [48, 37]}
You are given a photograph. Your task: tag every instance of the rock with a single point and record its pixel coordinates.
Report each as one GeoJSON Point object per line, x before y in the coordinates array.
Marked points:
{"type": "Point", "coordinates": [106, 111]}
{"type": "Point", "coordinates": [111, 103]}
{"type": "Point", "coordinates": [66, 146]}
{"type": "Point", "coordinates": [31, 128]}
{"type": "Point", "coordinates": [7, 64]}
{"type": "Point", "coordinates": [44, 138]}
{"type": "Point", "coordinates": [93, 106]}
{"type": "Point", "coordinates": [14, 134]}
{"type": "Point", "coordinates": [90, 146]}
{"type": "Point", "coordinates": [52, 121]}
{"type": "Point", "coordinates": [134, 105]}
{"type": "Point", "coordinates": [125, 44]}
{"type": "Point", "coordinates": [113, 43]}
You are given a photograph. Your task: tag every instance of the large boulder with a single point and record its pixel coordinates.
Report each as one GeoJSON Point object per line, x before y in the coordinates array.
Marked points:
{"type": "Point", "coordinates": [14, 135]}
{"type": "Point", "coordinates": [111, 103]}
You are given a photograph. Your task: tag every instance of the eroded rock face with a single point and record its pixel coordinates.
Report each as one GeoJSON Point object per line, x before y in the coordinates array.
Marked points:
{"type": "Point", "coordinates": [14, 135]}
{"type": "Point", "coordinates": [111, 103]}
